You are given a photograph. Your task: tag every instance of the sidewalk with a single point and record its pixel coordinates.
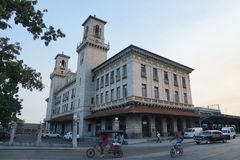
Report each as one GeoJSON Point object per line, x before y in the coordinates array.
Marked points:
{"type": "Point", "coordinates": [82, 146]}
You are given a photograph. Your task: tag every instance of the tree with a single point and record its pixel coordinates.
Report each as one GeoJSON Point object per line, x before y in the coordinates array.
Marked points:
{"type": "Point", "coordinates": [13, 72]}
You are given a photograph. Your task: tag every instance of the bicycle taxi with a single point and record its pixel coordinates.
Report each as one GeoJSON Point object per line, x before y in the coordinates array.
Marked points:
{"type": "Point", "coordinates": [113, 147]}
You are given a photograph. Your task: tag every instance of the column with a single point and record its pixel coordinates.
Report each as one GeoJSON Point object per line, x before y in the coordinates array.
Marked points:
{"type": "Point", "coordinates": [13, 130]}
{"type": "Point", "coordinates": [103, 124]}
{"type": "Point", "coordinates": [184, 123]}
{"type": "Point", "coordinates": [164, 127]}
{"type": "Point", "coordinates": [175, 129]}
{"type": "Point", "coordinates": [134, 126]}
{"type": "Point", "coordinates": [153, 126]}
{"type": "Point", "coordinates": [74, 133]}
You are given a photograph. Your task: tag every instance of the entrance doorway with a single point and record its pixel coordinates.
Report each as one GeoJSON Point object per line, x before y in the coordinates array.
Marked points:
{"type": "Point", "coordinates": [145, 127]}
{"type": "Point", "coordinates": [158, 125]}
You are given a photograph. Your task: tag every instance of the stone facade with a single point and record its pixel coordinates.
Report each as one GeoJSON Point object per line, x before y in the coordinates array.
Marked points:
{"type": "Point", "coordinates": [147, 92]}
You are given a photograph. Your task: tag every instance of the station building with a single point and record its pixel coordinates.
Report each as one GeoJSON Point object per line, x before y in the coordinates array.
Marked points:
{"type": "Point", "coordinates": [143, 91]}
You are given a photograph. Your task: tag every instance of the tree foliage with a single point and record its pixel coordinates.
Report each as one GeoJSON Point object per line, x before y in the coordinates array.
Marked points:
{"type": "Point", "coordinates": [13, 72]}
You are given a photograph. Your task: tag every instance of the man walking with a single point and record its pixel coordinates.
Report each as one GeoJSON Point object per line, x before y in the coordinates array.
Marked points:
{"type": "Point", "coordinates": [158, 137]}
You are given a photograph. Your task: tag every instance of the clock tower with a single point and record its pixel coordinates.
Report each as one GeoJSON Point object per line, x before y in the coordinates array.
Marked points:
{"type": "Point", "coordinates": [91, 53]}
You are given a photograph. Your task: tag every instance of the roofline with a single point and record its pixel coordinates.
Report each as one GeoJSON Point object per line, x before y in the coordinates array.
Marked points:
{"type": "Point", "coordinates": [95, 18]}
{"type": "Point", "coordinates": [151, 54]}
{"type": "Point", "coordinates": [62, 55]}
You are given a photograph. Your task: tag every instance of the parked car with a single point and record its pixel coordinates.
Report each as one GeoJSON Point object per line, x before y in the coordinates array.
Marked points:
{"type": "Point", "coordinates": [210, 136]}
{"type": "Point", "coordinates": [68, 136]}
{"type": "Point", "coordinates": [192, 132]}
{"type": "Point", "coordinates": [229, 132]}
{"type": "Point", "coordinates": [50, 135]}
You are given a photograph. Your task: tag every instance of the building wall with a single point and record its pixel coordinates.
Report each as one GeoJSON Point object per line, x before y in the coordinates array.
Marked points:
{"type": "Point", "coordinates": [150, 64]}
{"type": "Point", "coordinates": [122, 80]}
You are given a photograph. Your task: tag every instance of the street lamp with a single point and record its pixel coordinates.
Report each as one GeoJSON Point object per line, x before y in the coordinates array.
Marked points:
{"type": "Point", "coordinates": [116, 124]}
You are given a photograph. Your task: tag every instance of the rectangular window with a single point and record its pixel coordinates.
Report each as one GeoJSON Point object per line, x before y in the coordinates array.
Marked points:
{"type": "Point", "coordinates": [176, 96]}
{"type": "Point", "coordinates": [102, 81]}
{"type": "Point", "coordinates": [184, 82]}
{"type": "Point", "coordinates": [118, 75]}
{"type": "Point", "coordinates": [155, 74]}
{"type": "Point", "coordinates": [72, 106]}
{"type": "Point", "coordinates": [185, 98]}
{"type": "Point", "coordinates": [92, 100]}
{"type": "Point", "coordinates": [156, 92]}
{"type": "Point", "coordinates": [107, 80]}
{"type": "Point", "coordinates": [144, 90]}
{"type": "Point", "coordinates": [143, 71]}
{"type": "Point", "coordinates": [112, 77]}
{"type": "Point", "coordinates": [89, 127]}
{"type": "Point", "coordinates": [101, 99]}
{"type": "Point", "coordinates": [166, 80]}
{"type": "Point", "coordinates": [124, 90]}
{"type": "Point", "coordinates": [97, 85]}
{"type": "Point", "coordinates": [124, 71]}
{"type": "Point", "coordinates": [106, 97]}
{"type": "Point", "coordinates": [167, 94]}
{"type": "Point", "coordinates": [97, 99]}
{"type": "Point", "coordinates": [112, 94]}
{"type": "Point", "coordinates": [79, 102]}
{"type": "Point", "coordinates": [73, 93]}
{"type": "Point", "coordinates": [175, 80]}
{"type": "Point", "coordinates": [118, 92]}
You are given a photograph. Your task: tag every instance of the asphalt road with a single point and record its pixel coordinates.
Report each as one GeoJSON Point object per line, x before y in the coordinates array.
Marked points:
{"type": "Point", "coordinates": [144, 151]}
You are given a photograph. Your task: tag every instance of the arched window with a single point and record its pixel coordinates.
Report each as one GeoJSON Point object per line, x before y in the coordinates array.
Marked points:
{"type": "Point", "coordinates": [62, 64]}
{"type": "Point", "coordinates": [97, 30]}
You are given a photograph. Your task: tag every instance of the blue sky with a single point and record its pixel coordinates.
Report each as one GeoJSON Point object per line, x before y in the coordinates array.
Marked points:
{"type": "Point", "coordinates": [202, 34]}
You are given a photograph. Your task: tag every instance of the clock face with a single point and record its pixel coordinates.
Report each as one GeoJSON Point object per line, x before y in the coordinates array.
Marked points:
{"type": "Point", "coordinates": [81, 58]}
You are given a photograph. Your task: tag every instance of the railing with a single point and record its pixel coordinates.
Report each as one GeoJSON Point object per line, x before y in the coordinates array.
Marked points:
{"type": "Point", "coordinates": [143, 100]}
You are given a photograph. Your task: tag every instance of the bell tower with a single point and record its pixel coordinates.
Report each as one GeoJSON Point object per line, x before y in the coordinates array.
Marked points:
{"type": "Point", "coordinates": [57, 79]}
{"type": "Point", "coordinates": [92, 52]}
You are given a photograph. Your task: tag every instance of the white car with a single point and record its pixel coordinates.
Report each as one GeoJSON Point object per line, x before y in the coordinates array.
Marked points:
{"type": "Point", "coordinates": [50, 135]}
{"type": "Point", "coordinates": [192, 132]}
{"type": "Point", "coordinates": [68, 136]}
{"type": "Point", "coordinates": [229, 132]}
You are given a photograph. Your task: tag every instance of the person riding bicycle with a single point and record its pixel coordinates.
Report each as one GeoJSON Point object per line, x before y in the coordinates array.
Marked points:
{"type": "Point", "coordinates": [103, 142]}
{"type": "Point", "coordinates": [178, 139]}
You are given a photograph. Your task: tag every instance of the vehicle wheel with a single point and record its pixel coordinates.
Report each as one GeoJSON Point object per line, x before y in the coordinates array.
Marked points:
{"type": "Point", "coordinates": [207, 142]}
{"type": "Point", "coordinates": [90, 153]}
{"type": "Point", "coordinates": [172, 152]}
{"type": "Point", "coordinates": [47, 136]}
{"type": "Point", "coordinates": [118, 153]}
{"type": "Point", "coordinates": [198, 142]}
{"type": "Point", "coordinates": [180, 151]}
{"type": "Point", "coordinates": [234, 136]}
{"type": "Point", "coordinates": [224, 140]}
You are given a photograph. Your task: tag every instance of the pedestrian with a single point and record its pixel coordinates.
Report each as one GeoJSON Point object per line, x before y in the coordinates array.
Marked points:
{"type": "Point", "coordinates": [126, 134]}
{"type": "Point", "coordinates": [158, 137]}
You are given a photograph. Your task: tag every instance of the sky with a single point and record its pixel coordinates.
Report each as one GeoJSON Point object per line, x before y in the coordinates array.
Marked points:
{"type": "Point", "coordinates": [203, 35]}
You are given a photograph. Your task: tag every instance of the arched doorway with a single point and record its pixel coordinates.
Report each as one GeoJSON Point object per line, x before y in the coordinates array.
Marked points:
{"type": "Point", "coordinates": [145, 127]}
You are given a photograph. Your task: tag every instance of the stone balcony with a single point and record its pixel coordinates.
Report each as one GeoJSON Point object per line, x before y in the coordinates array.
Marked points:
{"type": "Point", "coordinates": [143, 100]}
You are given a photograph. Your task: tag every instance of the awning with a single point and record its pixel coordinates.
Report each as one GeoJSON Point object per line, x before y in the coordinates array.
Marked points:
{"type": "Point", "coordinates": [143, 109]}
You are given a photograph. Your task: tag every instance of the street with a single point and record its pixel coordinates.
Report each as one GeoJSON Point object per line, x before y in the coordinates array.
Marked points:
{"type": "Point", "coordinates": [150, 151]}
